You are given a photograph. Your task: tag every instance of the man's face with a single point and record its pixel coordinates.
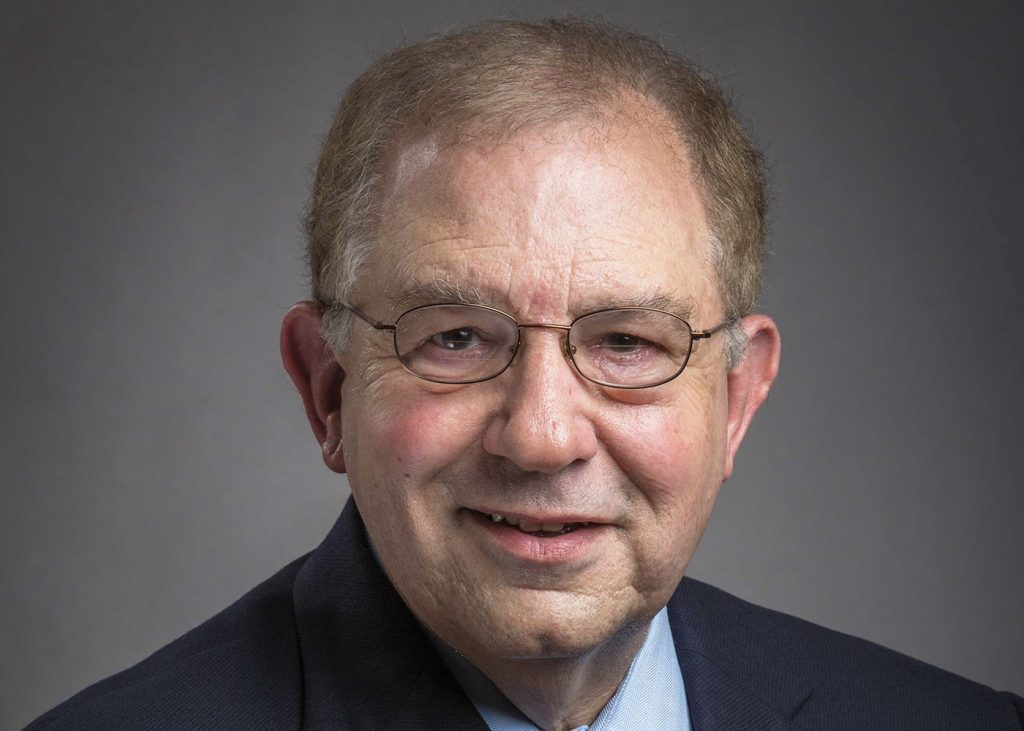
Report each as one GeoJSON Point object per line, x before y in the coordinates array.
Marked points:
{"type": "Point", "coordinates": [548, 226]}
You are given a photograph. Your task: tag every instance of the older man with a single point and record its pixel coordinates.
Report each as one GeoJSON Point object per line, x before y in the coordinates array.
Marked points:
{"type": "Point", "coordinates": [535, 249]}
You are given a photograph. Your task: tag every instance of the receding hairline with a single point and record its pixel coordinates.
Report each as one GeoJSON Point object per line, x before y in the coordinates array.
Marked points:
{"type": "Point", "coordinates": [627, 107]}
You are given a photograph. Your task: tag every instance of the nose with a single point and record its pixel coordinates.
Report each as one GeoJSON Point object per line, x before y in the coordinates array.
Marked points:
{"type": "Point", "coordinates": [542, 424]}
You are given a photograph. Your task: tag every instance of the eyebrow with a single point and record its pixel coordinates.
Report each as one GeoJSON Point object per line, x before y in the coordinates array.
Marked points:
{"type": "Point", "coordinates": [438, 291]}
{"type": "Point", "coordinates": [683, 307]}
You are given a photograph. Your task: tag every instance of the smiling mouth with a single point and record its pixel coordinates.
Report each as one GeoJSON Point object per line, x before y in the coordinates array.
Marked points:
{"type": "Point", "coordinates": [542, 530]}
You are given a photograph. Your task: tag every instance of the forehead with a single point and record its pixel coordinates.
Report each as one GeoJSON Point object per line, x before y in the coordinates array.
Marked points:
{"type": "Point", "coordinates": [552, 221]}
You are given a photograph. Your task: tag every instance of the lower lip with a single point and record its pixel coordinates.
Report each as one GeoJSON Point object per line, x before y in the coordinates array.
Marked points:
{"type": "Point", "coordinates": [564, 548]}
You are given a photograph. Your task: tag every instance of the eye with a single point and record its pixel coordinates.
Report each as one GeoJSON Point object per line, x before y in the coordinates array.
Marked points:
{"type": "Point", "coordinates": [452, 343]}
{"type": "Point", "coordinates": [623, 343]}
{"type": "Point", "coordinates": [458, 339]}
{"type": "Point", "coordinates": [630, 347]}
{"type": "Point", "coordinates": [463, 343]}
{"type": "Point", "coordinates": [624, 347]}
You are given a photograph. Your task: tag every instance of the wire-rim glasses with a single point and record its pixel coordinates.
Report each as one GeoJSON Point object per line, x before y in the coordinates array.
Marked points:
{"type": "Point", "coordinates": [622, 347]}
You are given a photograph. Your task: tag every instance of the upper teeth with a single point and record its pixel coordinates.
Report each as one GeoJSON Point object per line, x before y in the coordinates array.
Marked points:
{"type": "Point", "coordinates": [526, 525]}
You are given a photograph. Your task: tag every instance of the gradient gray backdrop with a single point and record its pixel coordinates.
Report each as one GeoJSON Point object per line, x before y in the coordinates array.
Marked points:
{"type": "Point", "coordinates": [156, 460]}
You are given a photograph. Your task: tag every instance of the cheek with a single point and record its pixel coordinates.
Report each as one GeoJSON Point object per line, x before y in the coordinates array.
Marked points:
{"type": "Point", "coordinates": [674, 458]}
{"type": "Point", "coordinates": [672, 453]}
{"type": "Point", "coordinates": [412, 433]}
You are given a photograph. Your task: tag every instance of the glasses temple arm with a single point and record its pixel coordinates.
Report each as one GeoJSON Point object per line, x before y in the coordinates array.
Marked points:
{"type": "Point", "coordinates": [702, 334]}
{"type": "Point", "coordinates": [365, 318]}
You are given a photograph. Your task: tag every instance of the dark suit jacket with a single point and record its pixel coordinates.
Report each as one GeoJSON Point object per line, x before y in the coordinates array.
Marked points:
{"type": "Point", "coordinates": [328, 644]}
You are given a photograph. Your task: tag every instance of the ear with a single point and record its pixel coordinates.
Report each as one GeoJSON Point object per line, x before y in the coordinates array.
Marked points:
{"type": "Point", "coordinates": [751, 379]}
{"type": "Point", "coordinates": [317, 376]}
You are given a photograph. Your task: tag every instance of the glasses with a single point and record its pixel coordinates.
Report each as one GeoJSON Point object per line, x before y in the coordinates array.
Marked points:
{"type": "Point", "coordinates": [625, 347]}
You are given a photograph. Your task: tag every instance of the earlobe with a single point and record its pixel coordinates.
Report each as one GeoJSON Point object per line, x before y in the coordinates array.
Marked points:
{"type": "Point", "coordinates": [317, 377]}
{"type": "Point", "coordinates": [751, 380]}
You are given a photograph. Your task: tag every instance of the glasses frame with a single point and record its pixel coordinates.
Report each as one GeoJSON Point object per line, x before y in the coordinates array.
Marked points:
{"type": "Point", "coordinates": [567, 348]}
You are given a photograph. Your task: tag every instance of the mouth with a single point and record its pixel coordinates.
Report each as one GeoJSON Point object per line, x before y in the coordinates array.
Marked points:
{"type": "Point", "coordinates": [546, 529]}
{"type": "Point", "coordinates": [548, 540]}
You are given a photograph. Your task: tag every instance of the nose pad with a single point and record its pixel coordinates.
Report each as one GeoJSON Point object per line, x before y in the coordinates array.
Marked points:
{"type": "Point", "coordinates": [569, 352]}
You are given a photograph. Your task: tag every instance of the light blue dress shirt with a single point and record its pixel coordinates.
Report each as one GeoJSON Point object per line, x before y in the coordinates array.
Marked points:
{"type": "Point", "coordinates": [651, 697]}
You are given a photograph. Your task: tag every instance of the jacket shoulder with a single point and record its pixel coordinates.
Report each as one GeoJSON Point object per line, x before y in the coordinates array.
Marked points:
{"type": "Point", "coordinates": [240, 669]}
{"type": "Point", "coordinates": [844, 681]}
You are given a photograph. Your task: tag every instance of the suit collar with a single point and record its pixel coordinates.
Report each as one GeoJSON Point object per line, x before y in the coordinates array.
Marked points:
{"type": "Point", "coordinates": [366, 662]}
{"type": "Point", "coordinates": [730, 682]}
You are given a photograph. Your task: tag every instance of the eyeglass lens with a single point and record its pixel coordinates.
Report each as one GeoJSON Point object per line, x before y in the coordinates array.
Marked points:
{"type": "Point", "coordinates": [628, 347]}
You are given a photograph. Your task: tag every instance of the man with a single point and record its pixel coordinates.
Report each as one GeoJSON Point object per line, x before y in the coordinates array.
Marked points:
{"type": "Point", "coordinates": [535, 250]}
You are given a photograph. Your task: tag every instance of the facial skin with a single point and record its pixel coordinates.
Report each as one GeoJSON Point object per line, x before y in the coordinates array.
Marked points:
{"type": "Point", "coordinates": [547, 226]}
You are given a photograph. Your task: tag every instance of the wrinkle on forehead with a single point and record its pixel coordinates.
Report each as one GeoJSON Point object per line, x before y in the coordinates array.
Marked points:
{"type": "Point", "coordinates": [551, 222]}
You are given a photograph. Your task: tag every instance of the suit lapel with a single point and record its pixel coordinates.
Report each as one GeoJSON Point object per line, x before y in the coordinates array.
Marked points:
{"type": "Point", "coordinates": [717, 701]}
{"type": "Point", "coordinates": [366, 662]}
{"type": "Point", "coordinates": [729, 684]}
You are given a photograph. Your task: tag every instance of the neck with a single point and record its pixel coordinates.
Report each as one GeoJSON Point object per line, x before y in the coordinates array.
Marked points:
{"type": "Point", "coordinates": [564, 693]}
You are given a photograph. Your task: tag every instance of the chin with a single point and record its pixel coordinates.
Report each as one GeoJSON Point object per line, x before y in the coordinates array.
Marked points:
{"type": "Point", "coordinates": [539, 628]}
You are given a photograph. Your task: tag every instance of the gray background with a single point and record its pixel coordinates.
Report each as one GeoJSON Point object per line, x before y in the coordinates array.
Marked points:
{"type": "Point", "coordinates": [156, 459]}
